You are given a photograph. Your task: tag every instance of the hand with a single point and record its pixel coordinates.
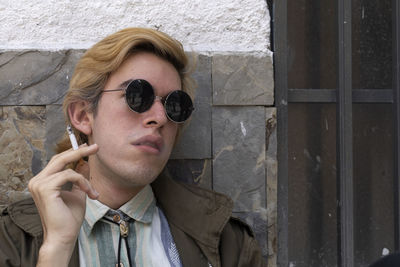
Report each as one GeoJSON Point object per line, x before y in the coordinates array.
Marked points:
{"type": "Point", "coordinates": [61, 212]}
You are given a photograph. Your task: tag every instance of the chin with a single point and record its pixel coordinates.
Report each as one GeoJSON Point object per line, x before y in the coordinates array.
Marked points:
{"type": "Point", "coordinates": [142, 175]}
{"type": "Point", "coordinates": [134, 172]}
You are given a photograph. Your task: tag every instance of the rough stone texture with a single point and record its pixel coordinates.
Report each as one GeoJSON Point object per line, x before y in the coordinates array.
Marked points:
{"type": "Point", "coordinates": [272, 183]}
{"type": "Point", "coordinates": [35, 77]}
{"type": "Point", "coordinates": [22, 131]}
{"type": "Point", "coordinates": [239, 163]}
{"type": "Point", "coordinates": [55, 128]}
{"type": "Point", "coordinates": [198, 130]}
{"type": "Point", "coordinates": [239, 154]}
{"type": "Point", "coordinates": [221, 25]}
{"type": "Point", "coordinates": [242, 80]}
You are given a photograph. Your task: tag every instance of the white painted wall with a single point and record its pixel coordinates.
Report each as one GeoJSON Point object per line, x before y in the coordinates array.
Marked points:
{"type": "Point", "coordinates": [201, 25]}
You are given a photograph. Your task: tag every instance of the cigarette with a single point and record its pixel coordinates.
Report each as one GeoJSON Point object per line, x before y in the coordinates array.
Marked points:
{"type": "Point", "coordinates": [72, 138]}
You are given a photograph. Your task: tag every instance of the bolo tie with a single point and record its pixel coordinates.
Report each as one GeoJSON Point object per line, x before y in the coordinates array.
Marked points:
{"type": "Point", "coordinates": [120, 218]}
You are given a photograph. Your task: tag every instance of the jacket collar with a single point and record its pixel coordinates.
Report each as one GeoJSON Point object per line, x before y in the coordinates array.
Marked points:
{"type": "Point", "coordinates": [200, 213]}
{"type": "Point", "coordinates": [25, 215]}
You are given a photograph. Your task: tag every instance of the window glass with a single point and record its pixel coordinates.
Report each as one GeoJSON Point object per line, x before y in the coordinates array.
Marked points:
{"type": "Point", "coordinates": [372, 44]}
{"type": "Point", "coordinates": [373, 181]}
{"type": "Point", "coordinates": [312, 44]}
{"type": "Point", "coordinates": [312, 185]}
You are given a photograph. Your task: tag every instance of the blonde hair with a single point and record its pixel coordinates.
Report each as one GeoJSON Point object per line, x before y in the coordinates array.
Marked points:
{"type": "Point", "coordinates": [96, 65]}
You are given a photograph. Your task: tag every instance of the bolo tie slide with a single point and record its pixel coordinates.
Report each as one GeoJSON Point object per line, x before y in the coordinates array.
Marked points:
{"type": "Point", "coordinates": [124, 232]}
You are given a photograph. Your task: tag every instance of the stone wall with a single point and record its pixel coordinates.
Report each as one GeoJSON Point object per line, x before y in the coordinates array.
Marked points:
{"type": "Point", "coordinates": [229, 145]}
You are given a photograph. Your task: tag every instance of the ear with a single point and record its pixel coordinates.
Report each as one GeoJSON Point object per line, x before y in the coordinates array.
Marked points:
{"type": "Point", "coordinates": [80, 117]}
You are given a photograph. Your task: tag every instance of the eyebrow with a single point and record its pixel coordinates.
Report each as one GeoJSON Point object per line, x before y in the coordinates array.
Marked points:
{"type": "Point", "coordinates": [125, 83]}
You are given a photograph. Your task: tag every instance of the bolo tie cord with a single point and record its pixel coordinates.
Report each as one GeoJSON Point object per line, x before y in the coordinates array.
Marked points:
{"type": "Point", "coordinates": [124, 230]}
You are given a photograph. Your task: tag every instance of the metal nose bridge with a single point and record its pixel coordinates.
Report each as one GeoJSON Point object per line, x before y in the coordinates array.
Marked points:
{"type": "Point", "coordinates": [162, 102]}
{"type": "Point", "coordinates": [159, 98]}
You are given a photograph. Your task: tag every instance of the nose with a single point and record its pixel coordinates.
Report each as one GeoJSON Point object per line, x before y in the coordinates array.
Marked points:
{"type": "Point", "coordinates": [155, 116]}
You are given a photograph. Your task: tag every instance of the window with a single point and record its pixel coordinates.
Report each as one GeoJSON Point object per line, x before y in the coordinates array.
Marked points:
{"type": "Point", "coordinates": [337, 103]}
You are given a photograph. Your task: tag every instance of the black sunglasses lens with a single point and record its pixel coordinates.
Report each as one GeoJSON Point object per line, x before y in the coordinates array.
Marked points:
{"type": "Point", "coordinates": [179, 106]}
{"type": "Point", "coordinates": [139, 95]}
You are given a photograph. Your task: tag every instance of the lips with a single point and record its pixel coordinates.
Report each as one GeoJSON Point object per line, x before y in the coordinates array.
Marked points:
{"type": "Point", "coordinates": [150, 143]}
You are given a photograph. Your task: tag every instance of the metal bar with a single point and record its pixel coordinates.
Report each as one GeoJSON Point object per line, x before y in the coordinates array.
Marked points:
{"type": "Point", "coordinates": [396, 110]}
{"type": "Point", "coordinates": [345, 136]}
{"type": "Point", "coordinates": [281, 85]}
{"type": "Point", "coordinates": [329, 95]}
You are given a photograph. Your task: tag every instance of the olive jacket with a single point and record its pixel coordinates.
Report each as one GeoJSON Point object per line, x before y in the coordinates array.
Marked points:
{"type": "Point", "coordinates": [200, 222]}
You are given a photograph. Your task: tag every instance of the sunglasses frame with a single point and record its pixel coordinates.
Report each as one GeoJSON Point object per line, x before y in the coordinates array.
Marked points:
{"type": "Point", "coordinates": [162, 99]}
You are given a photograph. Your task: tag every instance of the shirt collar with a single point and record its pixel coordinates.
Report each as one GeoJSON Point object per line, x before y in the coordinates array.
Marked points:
{"type": "Point", "coordinates": [140, 208]}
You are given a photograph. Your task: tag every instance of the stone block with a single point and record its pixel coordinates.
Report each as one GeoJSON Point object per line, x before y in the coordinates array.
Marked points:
{"type": "Point", "coordinates": [272, 183]}
{"type": "Point", "coordinates": [195, 141]}
{"type": "Point", "coordinates": [191, 171]}
{"type": "Point", "coordinates": [35, 77]}
{"type": "Point", "coordinates": [55, 128]}
{"type": "Point", "coordinates": [22, 154]}
{"type": "Point", "coordinates": [239, 156]}
{"type": "Point", "coordinates": [242, 79]}
{"type": "Point", "coordinates": [239, 164]}
{"type": "Point", "coordinates": [245, 168]}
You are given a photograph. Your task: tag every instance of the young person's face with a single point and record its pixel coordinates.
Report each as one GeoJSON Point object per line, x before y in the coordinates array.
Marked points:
{"type": "Point", "coordinates": [134, 147]}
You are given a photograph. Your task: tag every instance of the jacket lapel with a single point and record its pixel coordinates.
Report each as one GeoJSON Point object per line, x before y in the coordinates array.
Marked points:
{"type": "Point", "coordinates": [196, 212]}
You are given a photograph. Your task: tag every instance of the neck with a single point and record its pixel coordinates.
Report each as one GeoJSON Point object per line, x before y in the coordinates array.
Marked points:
{"type": "Point", "coordinates": [112, 195]}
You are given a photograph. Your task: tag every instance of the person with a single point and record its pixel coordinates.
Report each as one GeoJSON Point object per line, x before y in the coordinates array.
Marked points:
{"type": "Point", "coordinates": [128, 99]}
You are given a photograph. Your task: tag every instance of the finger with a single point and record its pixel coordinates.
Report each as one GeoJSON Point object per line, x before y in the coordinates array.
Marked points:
{"type": "Point", "coordinates": [58, 162]}
{"type": "Point", "coordinates": [54, 182]}
{"type": "Point", "coordinates": [89, 190]}
{"type": "Point", "coordinates": [66, 151]}
{"type": "Point", "coordinates": [84, 185]}
{"type": "Point", "coordinates": [83, 168]}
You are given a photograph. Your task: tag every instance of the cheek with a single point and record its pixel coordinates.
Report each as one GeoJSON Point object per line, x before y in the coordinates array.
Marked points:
{"type": "Point", "coordinates": [170, 132]}
{"type": "Point", "coordinates": [107, 126]}
{"type": "Point", "coordinates": [116, 112]}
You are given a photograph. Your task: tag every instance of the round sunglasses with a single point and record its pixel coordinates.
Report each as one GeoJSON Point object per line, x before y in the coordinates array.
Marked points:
{"type": "Point", "coordinates": [140, 96]}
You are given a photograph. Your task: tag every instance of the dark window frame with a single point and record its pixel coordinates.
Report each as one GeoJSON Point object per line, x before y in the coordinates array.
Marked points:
{"type": "Point", "coordinates": [341, 96]}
